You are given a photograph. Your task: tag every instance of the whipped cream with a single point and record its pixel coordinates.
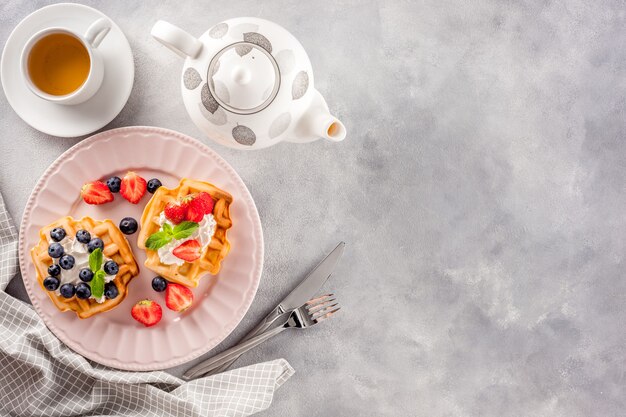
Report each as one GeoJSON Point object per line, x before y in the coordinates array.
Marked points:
{"type": "Point", "coordinates": [81, 260]}
{"type": "Point", "coordinates": [203, 234]}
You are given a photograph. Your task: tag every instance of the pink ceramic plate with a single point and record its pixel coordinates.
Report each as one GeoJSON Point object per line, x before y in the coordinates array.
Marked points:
{"type": "Point", "coordinates": [113, 338]}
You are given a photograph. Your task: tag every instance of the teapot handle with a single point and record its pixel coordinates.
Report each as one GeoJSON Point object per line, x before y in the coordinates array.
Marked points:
{"type": "Point", "coordinates": [176, 39]}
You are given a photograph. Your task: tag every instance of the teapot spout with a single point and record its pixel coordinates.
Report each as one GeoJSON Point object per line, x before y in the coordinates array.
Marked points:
{"type": "Point", "coordinates": [319, 123]}
{"type": "Point", "coordinates": [324, 125]}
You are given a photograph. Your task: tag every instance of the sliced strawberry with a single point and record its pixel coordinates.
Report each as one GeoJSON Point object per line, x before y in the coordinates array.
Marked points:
{"type": "Point", "coordinates": [178, 297]}
{"type": "Point", "coordinates": [188, 251]}
{"type": "Point", "coordinates": [200, 205]}
{"type": "Point", "coordinates": [207, 201]}
{"type": "Point", "coordinates": [133, 187]}
{"type": "Point", "coordinates": [195, 212]}
{"type": "Point", "coordinates": [176, 211]}
{"type": "Point", "coordinates": [147, 312]}
{"type": "Point", "coordinates": [96, 192]}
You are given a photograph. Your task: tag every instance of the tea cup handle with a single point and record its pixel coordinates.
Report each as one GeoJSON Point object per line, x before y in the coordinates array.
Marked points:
{"type": "Point", "coordinates": [176, 39]}
{"type": "Point", "coordinates": [97, 31]}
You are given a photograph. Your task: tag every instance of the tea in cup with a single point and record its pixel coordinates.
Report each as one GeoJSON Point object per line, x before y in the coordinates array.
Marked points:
{"type": "Point", "coordinates": [62, 66]}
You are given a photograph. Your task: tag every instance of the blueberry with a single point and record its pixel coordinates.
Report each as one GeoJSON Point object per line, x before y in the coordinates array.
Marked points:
{"type": "Point", "coordinates": [57, 234]}
{"type": "Point", "coordinates": [110, 290]}
{"type": "Point", "coordinates": [67, 290]}
{"type": "Point", "coordinates": [111, 268]}
{"type": "Point", "coordinates": [66, 262]}
{"type": "Point", "coordinates": [83, 236]}
{"type": "Point", "coordinates": [94, 244]}
{"type": "Point", "coordinates": [83, 291]}
{"type": "Point", "coordinates": [153, 184]}
{"type": "Point", "coordinates": [159, 284]}
{"type": "Point", "coordinates": [114, 184]}
{"type": "Point", "coordinates": [51, 283]}
{"type": "Point", "coordinates": [55, 250]}
{"type": "Point", "coordinates": [128, 225]}
{"type": "Point", "coordinates": [85, 275]}
{"type": "Point", "coordinates": [54, 270]}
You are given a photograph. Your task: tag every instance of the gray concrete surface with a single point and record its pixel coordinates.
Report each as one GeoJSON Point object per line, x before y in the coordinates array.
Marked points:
{"type": "Point", "coordinates": [481, 191]}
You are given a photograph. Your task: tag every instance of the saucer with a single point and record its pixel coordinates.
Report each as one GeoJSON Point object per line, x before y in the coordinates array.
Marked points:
{"type": "Point", "coordinates": [81, 119]}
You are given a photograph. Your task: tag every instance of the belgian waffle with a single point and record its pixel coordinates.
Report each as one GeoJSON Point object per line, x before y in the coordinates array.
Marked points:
{"type": "Point", "coordinates": [116, 247]}
{"type": "Point", "coordinates": [188, 273]}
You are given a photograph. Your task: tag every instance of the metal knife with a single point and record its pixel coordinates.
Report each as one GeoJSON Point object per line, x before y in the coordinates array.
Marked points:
{"type": "Point", "coordinates": [300, 295]}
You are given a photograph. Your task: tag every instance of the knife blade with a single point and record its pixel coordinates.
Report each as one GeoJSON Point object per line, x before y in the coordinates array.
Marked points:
{"type": "Point", "coordinates": [314, 281]}
{"type": "Point", "coordinates": [298, 296]}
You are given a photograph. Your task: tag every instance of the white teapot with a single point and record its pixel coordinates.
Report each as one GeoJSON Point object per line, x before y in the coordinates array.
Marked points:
{"type": "Point", "coordinates": [248, 84]}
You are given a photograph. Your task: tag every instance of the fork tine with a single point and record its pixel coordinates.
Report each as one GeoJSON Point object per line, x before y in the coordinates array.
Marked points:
{"type": "Point", "coordinates": [326, 315]}
{"type": "Point", "coordinates": [315, 301]}
{"type": "Point", "coordinates": [322, 312]}
{"type": "Point", "coordinates": [321, 308]}
{"type": "Point", "coordinates": [314, 308]}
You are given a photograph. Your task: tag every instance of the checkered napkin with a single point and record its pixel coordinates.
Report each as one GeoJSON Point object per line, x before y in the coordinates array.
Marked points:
{"type": "Point", "coordinates": [40, 376]}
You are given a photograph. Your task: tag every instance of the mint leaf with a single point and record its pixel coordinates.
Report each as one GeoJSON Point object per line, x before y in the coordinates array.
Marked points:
{"type": "Point", "coordinates": [97, 284]}
{"type": "Point", "coordinates": [157, 240]}
{"type": "Point", "coordinates": [95, 260]}
{"type": "Point", "coordinates": [165, 236]}
{"type": "Point", "coordinates": [185, 229]}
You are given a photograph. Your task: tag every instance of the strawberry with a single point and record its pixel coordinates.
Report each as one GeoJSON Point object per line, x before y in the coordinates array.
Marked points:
{"type": "Point", "coordinates": [147, 312]}
{"type": "Point", "coordinates": [195, 211]}
{"type": "Point", "coordinates": [200, 205]}
{"type": "Point", "coordinates": [176, 211]}
{"type": "Point", "coordinates": [178, 297]}
{"type": "Point", "coordinates": [188, 251]}
{"type": "Point", "coordinates": [133, 187]}
{"type": "Point", "coordinates": [96, 192]}
{"type": "Point", "coordinates": [207, 200]}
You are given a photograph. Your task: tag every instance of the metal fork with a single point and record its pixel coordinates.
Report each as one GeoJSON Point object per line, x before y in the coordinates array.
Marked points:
{"type": "Point", "coordinates": [312, 312]}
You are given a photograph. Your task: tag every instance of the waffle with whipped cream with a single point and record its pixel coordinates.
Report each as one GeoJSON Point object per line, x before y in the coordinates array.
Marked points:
{"type": "Point", "coordinates": [116, 248]}
{"type": "Point", "coordinates": [187, 273]}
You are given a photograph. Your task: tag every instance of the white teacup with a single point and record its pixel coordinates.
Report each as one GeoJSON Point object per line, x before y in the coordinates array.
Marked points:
{"type": "Point", "coordinates": [51, 70]}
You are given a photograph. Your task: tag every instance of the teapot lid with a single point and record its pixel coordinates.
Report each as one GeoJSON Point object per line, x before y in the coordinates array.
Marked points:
{"type": "Point", "coordinates": [243, 78]}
